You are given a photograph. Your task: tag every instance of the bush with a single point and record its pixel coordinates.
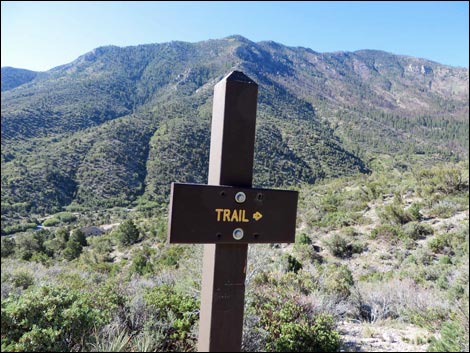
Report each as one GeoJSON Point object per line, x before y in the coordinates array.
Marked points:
{"type": "Point", "coordinates": [446, 180]}
{"type": "Point", "coordinates": [127, 233]}
{"type": "Point", "coordinates": [141, 262]}
{"type": "Point", "coordinates": [48, 319]}
{"type": "Point", "coordinates": [79, 237]}
{"type": "Point", "coordinates": [16, 228]}
{"type": "Point", "coordinates": [8, 246]}
{"type": "Point", "coordinates": [338, 280]}
{"type": "Point", "coordinates": [73, 249]}
{"type": "Point", "coordinates": [66, 217]}
{"type": "Point", "coordinates": [415, 230]}
{"type": "Point", "coordinates": [303, 239]}
{"type": "Point", "coordinates": [386, 232]}
{"type": "Point", "coordinates": [179, 312]}
{"type": "Point", "coordinates": [22, 279]}
{"type": "Point", "coordinates": [395, 214]}
{"type": "Point", "coordinates": [443, 209]}
{"type": "Point", "coordinates": [27, 245]}
{"type": "Point", "coordinates": [453, 339]}
{"type": "Point", "coordinates": [339, 219]}
{"type": "Point", "coordinates": [171, 255]}
{"type": "Point", "coordinates": [51, 222]}
{"type": "Point", "coordinates": [290, 264]}
{"type": "Point", "coordinates": [415, 211]}
{"type": "Point", "coordinates": [339, 246]}
{"type": "Point", "coordinates": [292, 327]}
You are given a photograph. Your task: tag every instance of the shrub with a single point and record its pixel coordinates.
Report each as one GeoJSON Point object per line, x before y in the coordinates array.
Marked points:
{"type": "Point", "coordinates": [339, 219]}
{"type": "Point", "coordinates": [22, 279]}
{"type": "Point", "coordinates": [303, 239]}
{"type": "Point", "coordinates": [73, 249]}
{"type": "Point", "coordinates": [443, 209]}
{"type": "Point", "coordinates": [140, 262]}
{"type": "Point", "coordinates": [453, 339]}
{"type": "Point", "coordinates": [51, 222]}
{"type": "Point", "coordinates": [339, 246]}
{"type": "Point", "coordinates": [414, 211]}
{"type": "Point", "coordinates": [48, 319]}
{"type": "Point", "coordinates": [415, 230]}
{"type": "Point", "coordinates": [291, 264]}
{"type": "Point", "coordinates": [127, 233]}
{"type": "Point", "coordinates": [27, 245]}
{"type": "Point", "coordinates": [338, 280]}
{"type": "Point", "coordinates": [446, 180]}
{"type": "Point", "coordinates": [292, 327]}
{"type": "Point", "coordinates": [178, 311]}
{"type": "Point", "coordinates": [386, 232]}
{"type": "Point", "coordinates": [79, 237]}
{"type": "Point", "coordinates": [16, 228]}
{"type": "Point", "coordinates": [8, 246]}
{"type": "Point", "coordinates": [66, 217]}
{"type": "Point", "coordinates": [171, 255]}
{"type": "Point", "coordinates": [395, 214]}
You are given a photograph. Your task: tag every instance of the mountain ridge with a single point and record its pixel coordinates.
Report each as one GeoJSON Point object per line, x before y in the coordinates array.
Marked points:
{"type": "Point", "coordinates": [119, 124]}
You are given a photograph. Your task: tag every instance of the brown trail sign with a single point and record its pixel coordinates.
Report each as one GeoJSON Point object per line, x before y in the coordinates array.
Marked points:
{"type": "Point", "coordinates": [228, 214]}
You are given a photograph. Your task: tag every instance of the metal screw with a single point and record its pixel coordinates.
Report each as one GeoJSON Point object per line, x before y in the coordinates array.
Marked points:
{"type": "Point", "coordinates": [240, 197]}
{"type": "Point", "coordinates": [238, 233]}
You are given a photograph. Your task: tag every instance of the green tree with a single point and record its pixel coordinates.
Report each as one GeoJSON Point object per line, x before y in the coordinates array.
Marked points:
{"type": "Point", "coordinates": [79, 236]}
{"type": "Point", "coordinates": [8, 246]}
{"type": "Point", "coordinates": [73, 249]}
{"type": "Point", "coordinates": [127, 233]}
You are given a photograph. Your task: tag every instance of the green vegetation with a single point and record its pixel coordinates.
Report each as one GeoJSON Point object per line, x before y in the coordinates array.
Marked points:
{"type": "Point", "coordinates": [119, 123]}
{"type": "Point", "coordinates": [89, 150]}
{"type": "Point", "coordinates": [127, 233]}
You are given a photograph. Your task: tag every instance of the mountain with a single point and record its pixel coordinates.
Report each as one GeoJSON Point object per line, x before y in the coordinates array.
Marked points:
{"type": "Point", "coordinates": [120, 124]}
{"type": "Point", "coordinates": [12, 77]}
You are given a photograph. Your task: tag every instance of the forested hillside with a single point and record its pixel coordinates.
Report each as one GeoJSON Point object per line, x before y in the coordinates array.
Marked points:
{"type": "Point", "coordinates": [119, 124]}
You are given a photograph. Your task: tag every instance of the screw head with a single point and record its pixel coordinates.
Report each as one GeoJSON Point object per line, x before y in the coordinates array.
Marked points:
{"type": "Point", "coordinates": [238, 233]}
{"type": "Point", "coordinates": [240, 197]}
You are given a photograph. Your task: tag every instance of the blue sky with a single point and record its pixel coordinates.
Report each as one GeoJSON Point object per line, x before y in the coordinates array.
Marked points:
{"type": "Point", "coordinates": [42, 35]}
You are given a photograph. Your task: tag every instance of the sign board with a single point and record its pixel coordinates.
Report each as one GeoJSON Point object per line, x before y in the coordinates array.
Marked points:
{"type": "Point", "coordinates": [212, 214]}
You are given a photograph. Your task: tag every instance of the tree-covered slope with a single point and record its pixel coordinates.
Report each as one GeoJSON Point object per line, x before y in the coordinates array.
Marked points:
{"type": "Point", "coordinates": [120, 123]}
{"type": "Point", "coordinates": [13, 77]}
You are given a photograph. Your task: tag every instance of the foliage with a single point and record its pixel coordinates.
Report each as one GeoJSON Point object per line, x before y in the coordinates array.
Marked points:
{"type": "Point", "coordinates": [292, 327]}
{"type": "Point", "coordinates": [337, 280]}
{"type": "Point", "coordinates": [48, 319]}
{"type": "Point", "coordinates": [339, 246]}
{"type": "Point", "coordinates": [51, 222]}
{"type": "Point", "coordinates": [416, 230]}
{"type": "Point", "coordinates": [127, 233]}
{"type": "Point", "coordinates": [72, 250]}
{"type": "Point", "coordinates": [303, 239]}
{"type": "Point", "coordinates": [386, 232]}
{"type": "Point", "coordinates": [79, 237]}
{"type": "Point", "coordinates": [181, 309]}
{"type": "Point", "coordinates": [8, 246]}
{"type": "Point", "coordinates": [453, 339]}
{"type": "Point", "coordinates": [119, 123]}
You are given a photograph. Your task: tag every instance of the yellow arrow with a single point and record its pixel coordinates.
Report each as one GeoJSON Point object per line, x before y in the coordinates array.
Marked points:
{"type": "Point", "coordinates": [257, 216]}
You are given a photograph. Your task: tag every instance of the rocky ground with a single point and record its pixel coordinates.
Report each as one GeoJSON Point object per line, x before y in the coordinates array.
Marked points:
{"type": "Point", "coordinates": [365, 337]}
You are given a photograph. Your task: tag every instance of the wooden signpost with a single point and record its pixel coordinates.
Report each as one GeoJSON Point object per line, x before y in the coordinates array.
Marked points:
{"type": "Point", "coordinates": [228, 214]}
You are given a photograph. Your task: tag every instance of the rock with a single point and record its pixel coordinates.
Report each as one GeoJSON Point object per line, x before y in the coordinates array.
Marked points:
{"type": "Point", "coordinates": [388, 337]}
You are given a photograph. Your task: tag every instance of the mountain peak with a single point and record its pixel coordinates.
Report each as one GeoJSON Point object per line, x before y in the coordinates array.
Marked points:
{"type": "Point", "coordinates": [238, 38]}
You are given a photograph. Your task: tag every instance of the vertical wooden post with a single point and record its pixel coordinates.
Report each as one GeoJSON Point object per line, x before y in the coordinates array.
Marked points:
{"type": "Point", "coordinates": [231, 163]}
